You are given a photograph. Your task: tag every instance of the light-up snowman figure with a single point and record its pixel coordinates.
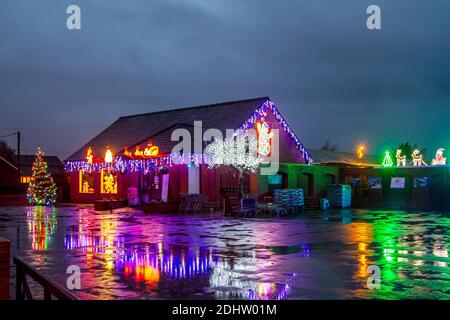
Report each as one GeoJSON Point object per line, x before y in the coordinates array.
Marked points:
{"type": "Point", "coordinates": [264, 138]}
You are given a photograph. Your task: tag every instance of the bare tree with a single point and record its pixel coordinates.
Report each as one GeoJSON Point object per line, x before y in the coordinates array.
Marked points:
{"type": "Point", "coordinates": [328, 146]}
{"type": "Point", "coordinates": [7, 152]}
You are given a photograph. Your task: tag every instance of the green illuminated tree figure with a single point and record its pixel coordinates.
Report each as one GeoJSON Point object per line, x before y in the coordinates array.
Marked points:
{"type": "Point", "coordinates": [42, 189]}
{"type": "Point", "coordinates": [387, 161]}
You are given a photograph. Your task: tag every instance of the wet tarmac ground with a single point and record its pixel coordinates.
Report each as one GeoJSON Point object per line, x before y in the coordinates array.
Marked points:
{"type": "Point", "coordinates": [316, 255]}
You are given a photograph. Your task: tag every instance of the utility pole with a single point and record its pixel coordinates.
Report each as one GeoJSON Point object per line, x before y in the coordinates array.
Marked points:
{"type": "Point", "coordinates": [18, 162]}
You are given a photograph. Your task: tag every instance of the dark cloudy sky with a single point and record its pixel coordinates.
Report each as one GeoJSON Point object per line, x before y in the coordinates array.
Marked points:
{"type": "Point", "coordinates": [330, 76]}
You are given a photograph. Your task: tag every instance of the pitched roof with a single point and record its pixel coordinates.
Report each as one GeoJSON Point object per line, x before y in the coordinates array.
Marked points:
{"type": "Point", "coordinates": [342, 158]}
{"type": "Point", "coordinates": [54, 165]}
{"type": "Point", "coordinates": [132, 130]}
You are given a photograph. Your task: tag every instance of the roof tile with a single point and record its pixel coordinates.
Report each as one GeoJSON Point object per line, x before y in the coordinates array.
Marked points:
{"type": "Point", "coordinates": [131, 130]}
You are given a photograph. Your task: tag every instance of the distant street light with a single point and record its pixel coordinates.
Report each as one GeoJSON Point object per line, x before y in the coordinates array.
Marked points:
{"type": "Point", "coordinates": [360, 151]}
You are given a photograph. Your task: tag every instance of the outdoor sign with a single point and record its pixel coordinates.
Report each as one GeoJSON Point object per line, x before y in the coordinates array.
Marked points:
{"type": "Point", "coordinates": [421, 182]}
{"type": "Point", "coordinates": [375, 183]}
{"type": "Point", "coordinates": [397, 183]}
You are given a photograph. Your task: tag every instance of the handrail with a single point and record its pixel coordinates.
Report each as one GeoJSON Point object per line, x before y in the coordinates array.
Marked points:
{"type": "Point", "coordinates": [50, 286]}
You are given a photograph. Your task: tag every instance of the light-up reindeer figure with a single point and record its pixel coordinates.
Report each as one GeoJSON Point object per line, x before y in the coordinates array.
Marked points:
{"type": "Point", "coordinates": [418, 158]}
{"type": "Point", "coordinates": [264, 137]}
{"type": "Point", "coordinates": [401, 160]}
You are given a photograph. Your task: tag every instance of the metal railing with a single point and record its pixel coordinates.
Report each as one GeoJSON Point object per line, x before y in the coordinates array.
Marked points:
{"type": "Point", "coordinates": [51, 288]}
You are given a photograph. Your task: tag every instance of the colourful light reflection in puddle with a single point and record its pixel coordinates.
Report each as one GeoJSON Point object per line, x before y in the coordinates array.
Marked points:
{"type": "Point", "coordinates": [151, 263]}
{"type": "Point", "coordinates": [229, 277]}
{"type": "Point", "coordinates": [129, 255]}
{"type": "Point", "coordinates": [42, 224]}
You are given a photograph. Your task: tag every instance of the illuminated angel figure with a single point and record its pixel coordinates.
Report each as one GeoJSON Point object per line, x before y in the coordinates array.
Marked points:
{"type": "Point", "coordinates": [439, 159]}
{"type": "Point", "coordinates": [401, 160]}
{"type": "Point", "coordinates": [418, 158]}
{"type": "Point", "coordinates": [264, 137]}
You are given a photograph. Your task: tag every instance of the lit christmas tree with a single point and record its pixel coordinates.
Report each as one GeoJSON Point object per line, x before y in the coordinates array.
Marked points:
{"type": "Point", "coordinates": [42, 189]}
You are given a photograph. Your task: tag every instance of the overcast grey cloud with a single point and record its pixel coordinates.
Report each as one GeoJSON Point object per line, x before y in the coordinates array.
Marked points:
{"type": "Point", "coordinates": [330, 76]}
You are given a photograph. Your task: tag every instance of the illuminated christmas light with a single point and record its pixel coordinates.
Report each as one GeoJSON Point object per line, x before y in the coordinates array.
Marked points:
{"type": "Point", "coordinates": [108, 155]}
{"type": "Point", "coordinates": [145, 163]}
{"type": "Point", "coordinates": [417, 158]}
{"type": "Point", "coordinates": [108, 182]}
{"type": "Point", "coordinates": [41, 190]}
{"type": "Point", "coordinates": [123, 165]}
{"type": "Point", "coordinates": [127, 153]}
{"type": "Point", "coordinates": [264, 138]}
{"type": "Point", "coordinates": [387, 161]}
{"type": "Point", "coordinates": [138, 152]}
{"type": "Point", "coordinates": [89, 155]}
{"type": "Point", "coordinates": [239, 152]}
{"type": "Point", "coordinates": [401, 160]}
{"type": "Point", "coordinates": [360, 151]}
{"type": "Point", "coordinates": [151, 150]}
{"type": "Point", "coordinates": [260, 112]}
{"type": "Point", "coordinates": [439, 159]}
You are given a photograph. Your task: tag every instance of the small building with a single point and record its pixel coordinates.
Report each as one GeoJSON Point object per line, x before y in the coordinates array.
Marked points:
{"type": "Point", "coordinates": [315, 178]}
{"type": "Point", "coordinates": [140, 150]}
{"type": "Point", "coordinates": [54, 166]}
{"type": "Point", "coordinates": [9, 175]}
{"type": "Point", "coordinates": [373, 185]}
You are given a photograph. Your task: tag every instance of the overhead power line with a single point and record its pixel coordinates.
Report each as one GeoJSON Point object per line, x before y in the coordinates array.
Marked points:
{"type": "Point", "coordinates": [8, 135]}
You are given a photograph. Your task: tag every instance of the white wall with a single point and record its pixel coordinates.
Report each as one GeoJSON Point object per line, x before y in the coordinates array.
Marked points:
{"type": "Point", "coordinates": [194, 179]}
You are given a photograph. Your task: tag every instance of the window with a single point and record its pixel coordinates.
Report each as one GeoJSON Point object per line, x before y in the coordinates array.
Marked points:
{"type": "Point", "coordinates": [86, 182]}
{"type": "Point", "coordinates": [397, 183]}
{"type": "Point", "coordinates": [375, 183]}
{"type": "Point", "coordinates": [421, 182]}
{"type": "Point", "coordinates": [275, 179]}
{"type": "Point", "coordinates": [25, 179]}
{"type": "Point", "coordinates": [108, 182]}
